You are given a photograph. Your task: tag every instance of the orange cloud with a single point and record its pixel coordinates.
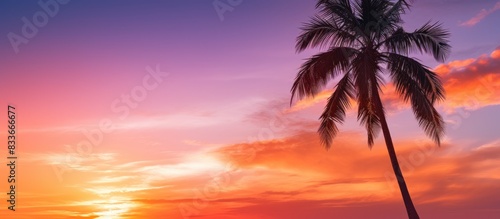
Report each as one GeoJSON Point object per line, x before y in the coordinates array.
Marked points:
{"type": "Point", "coordinates": [298, 174]}
{"type": "Point", "coordinates": [472, 83]}
{"type": "Point", "coordinates": [495, 54]}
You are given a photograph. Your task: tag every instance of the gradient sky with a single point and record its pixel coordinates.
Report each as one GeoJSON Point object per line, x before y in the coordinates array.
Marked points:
{"type": "Point", "coordinates": [215, 136]}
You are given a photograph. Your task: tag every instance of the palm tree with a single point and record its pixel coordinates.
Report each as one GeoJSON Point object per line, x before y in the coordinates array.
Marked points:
{"type": "Point", "coordinates": [365, 41]}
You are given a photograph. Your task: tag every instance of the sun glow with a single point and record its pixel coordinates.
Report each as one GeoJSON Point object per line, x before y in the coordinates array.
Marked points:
{"type": "Point", "coordinates": [113, 208]}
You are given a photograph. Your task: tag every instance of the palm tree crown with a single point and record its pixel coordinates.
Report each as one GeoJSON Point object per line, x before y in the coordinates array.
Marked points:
{"type": "Point", "coordinates": [363, 37]}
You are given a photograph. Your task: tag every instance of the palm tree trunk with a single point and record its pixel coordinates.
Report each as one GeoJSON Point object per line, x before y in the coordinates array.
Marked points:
{"type": "Point", "coordinates": [410, 208]}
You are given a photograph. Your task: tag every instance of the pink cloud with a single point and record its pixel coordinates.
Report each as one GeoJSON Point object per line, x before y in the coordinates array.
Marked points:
{"type": "Point", "coordinates": [480, 16]}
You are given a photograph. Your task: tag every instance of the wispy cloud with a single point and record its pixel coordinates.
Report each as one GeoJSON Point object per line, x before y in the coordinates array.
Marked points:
{"type": "Point", "coordinates": [310, 101]}
{"type": "Point", "coordinates": [480, 16]}
{"type": "Point", "coordinates": [351, 175]}
{"type": "Point", "coordinates": [292, 172]}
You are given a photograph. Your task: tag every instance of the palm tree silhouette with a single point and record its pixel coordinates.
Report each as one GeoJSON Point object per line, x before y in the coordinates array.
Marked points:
{"type": "Point", "coordinates": [365, 40]}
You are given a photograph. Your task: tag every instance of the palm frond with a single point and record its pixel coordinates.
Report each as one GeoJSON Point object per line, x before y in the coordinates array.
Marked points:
{"type": "Point", "coordinates": [320, 31]}
{"type": "Point", "coordinates": [392, 17]}
{"type": "Point", "coordinates": [367, 81]}
{"type": "Point", "coordinates": [414, 83]}
{"type": "Point", "coordinates": [316, 71]}
{"type": "Point", "coordinates": [397, 9]}
{"type": "Point", "coordinates": [406, 72]}
{"type": "Point", "coordinates": [428, 117]}
{"type": "Point", "coordinates": [335, 110]}
{"type": "Point", "coordinates": [430, 38]}
{"type": "Point", "coordinates": [341, 13]}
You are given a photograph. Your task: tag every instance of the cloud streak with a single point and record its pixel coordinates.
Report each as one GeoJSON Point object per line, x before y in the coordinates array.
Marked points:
{"type": "Point", "coordinates": [337, 182]}
{"type": "Point", "coordinates": [480, 16]}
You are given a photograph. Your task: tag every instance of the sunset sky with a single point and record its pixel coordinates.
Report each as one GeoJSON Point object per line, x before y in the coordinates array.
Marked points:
{"type": "Point", "coordinates": [201, 126]}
